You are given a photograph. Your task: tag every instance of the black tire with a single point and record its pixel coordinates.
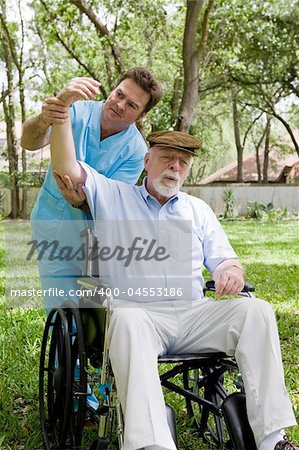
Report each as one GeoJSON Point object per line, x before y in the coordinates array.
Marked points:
{"type": "Point", "coordinates": [55, 394]}
{"type": "Point", "coordinates": [78, 374]}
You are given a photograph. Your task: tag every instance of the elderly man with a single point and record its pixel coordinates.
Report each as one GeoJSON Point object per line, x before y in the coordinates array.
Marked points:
{"type": "Point", "coordinates": [107, 138]}
{"type": "Point", "coordinates": [142, 329]}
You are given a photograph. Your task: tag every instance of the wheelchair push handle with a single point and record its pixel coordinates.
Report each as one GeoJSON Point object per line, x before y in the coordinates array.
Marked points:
{"type": "Point", "coordinates": [92, 266]}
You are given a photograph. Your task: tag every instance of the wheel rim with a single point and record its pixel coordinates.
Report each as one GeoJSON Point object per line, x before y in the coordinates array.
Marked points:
{"type": "Point", "coordinates": [55, 394]}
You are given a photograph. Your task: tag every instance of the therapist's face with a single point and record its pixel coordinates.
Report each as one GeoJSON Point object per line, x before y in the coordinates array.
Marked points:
{"type": "Point", "coordinates": [125, 104]}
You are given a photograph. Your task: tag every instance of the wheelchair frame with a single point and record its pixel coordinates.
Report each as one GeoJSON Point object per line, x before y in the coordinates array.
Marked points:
{"type": "Point", "coordinates": [75, 355]}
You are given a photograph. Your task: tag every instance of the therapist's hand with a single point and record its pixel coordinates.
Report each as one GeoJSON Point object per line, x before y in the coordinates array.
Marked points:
{"type": "Point", "coordinates": [54, 111]}
{"type": "Point", "coordinates": [230, 281]}
{"type": "Point", "coordinates": [75, 196]}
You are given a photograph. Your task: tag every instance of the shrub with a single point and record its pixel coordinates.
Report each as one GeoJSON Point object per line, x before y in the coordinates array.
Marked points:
{"type": "Point", "coordinates": [229, 201]}
{"type": "Point", "coordinates": [260, 211]}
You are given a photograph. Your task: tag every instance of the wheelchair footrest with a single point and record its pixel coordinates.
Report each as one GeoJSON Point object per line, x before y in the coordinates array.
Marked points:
{"type": "Point", "coordinates": [235, 415]}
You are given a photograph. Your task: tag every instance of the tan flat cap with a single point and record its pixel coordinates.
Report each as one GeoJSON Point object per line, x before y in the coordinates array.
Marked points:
{"type": "Point", "coordinates": [174, 139]}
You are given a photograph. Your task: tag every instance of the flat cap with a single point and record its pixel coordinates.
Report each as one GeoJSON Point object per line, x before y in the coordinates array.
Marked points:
{"type": "Point", "coordinates": [174, 139]}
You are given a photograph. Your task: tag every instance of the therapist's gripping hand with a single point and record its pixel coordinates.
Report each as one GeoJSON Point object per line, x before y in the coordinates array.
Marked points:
{"type": "Point", "coordinates": [73, 194]}
{"type": "Point", "coordinates": [54, 111]}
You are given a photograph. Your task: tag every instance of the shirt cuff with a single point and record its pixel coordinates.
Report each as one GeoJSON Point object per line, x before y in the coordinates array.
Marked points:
{"type": "Point", "coordinates": [228, 263]}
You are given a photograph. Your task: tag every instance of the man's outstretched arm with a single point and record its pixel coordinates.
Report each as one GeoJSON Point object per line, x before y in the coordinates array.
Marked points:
{"type": "Point", "coordinates": [63, 154]}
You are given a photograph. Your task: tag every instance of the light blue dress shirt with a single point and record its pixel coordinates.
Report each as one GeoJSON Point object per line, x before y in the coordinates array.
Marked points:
{"type": "Point", "coordinates": [185, 226]}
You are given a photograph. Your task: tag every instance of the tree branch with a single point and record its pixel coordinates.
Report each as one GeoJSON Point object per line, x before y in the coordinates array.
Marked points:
{"type": "Point", "coordinates": [204, 31]}
{"type": "Point", "coordinates": [249, 128]}
{"type": "Point", "coordinates": [102, 30]}
{"type": "Point", "coordinates": [72, 53]}
{"type": "Point", "coordinates": [9, 40]}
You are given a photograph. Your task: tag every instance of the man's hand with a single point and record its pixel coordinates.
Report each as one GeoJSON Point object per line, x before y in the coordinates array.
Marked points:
{"type": "Point", "coordinates": [54, 111]}
{"type": "Point", "coordinates": [230, 281]}
{"type": "Point", "coordinates": [74, 196]}
{"type": "Point", "coordinates": [80, 88]}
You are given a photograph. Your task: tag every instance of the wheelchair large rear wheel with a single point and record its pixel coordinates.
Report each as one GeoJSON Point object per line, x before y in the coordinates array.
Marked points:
{"type": "Point", "coordinates": [63, 379]}
{"type": "Point", "coordinates": [208, 384]}
{"type": "Point", "coordinates": [55, 394]}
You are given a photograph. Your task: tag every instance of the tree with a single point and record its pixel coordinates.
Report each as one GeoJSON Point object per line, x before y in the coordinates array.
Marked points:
{"type": "Point", "coordinates": [201, 50]}
{"type": "Point", "coordinates": [261, 133]}
{"type": "Point", "coordinates": [104, 39]}
{"type": "Point", "coordinates": [193, 58]}
{"type": "Point", "coordinates": [7, 99]}
{"type": "Point", "coordinates": [251, 119]}
{"type": "Point", "coordinates": [16, 48]}
{"type": "Point", "coordinates": [257, 50]}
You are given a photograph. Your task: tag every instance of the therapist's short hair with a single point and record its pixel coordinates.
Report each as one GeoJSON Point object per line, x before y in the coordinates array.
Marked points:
{"type": "Point", "coordinates": [146, 80]}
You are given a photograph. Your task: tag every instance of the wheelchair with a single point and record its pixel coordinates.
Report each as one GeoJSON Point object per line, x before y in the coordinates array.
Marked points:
{"type": "Point", "coordinates": [74, 363]}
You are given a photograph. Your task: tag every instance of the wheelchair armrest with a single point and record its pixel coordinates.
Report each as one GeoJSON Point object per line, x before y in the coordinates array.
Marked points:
{"type": "Point", "coordinates": [210, 286]}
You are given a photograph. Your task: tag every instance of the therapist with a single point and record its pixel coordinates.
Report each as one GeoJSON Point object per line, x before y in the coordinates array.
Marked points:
{"type": "Point", "coordinates": [107, 138]}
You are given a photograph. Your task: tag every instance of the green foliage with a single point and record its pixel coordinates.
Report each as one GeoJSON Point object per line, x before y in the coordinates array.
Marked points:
{"type": "Point", "coordinates": [260, 211]}
{"type": "Point", "coordinates": [25, 180]}
{"type": "Point", "coordinates": [269, 252]}
{"type": "Point", "coordinates": [252, 48]}
{"type": "Point", "coordinates": [256, 210]}
{"type": "Point", "coordinates": [5, 180]}
{"type": "Point", "coordinates": [258, 39]}
{"type": "Point", "coordinates": [31, 179]}
{"type": "Point", "coordinates": [278, 214]}
{"type": "Point", "coordinates": [229, 201]}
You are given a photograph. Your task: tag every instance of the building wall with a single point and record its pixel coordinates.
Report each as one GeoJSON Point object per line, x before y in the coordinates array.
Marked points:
{"type": "Point", "coordinates": [279, 195]}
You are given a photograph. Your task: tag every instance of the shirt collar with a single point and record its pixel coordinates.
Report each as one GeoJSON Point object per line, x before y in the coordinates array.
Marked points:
{"type": "Point", "coordinates": [148, 197]}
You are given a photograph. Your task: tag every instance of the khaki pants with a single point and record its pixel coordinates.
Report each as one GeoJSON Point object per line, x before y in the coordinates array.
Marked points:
{"type": "Point", "coordinates": [245, 328]}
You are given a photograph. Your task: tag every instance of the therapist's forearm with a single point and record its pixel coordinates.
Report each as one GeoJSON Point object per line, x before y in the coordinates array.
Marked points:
{"type": "Point", "coordinates": [63, 154]}
{"type": "Point", "coordinates": [35, 133]}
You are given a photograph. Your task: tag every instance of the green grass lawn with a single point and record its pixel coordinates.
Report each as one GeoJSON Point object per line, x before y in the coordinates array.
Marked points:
{"type": "Point", "coordinates": [268, 250]}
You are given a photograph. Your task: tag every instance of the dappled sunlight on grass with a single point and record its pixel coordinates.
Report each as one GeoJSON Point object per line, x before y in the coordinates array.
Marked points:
{"type": "Point", "coordinates": [269, 252]}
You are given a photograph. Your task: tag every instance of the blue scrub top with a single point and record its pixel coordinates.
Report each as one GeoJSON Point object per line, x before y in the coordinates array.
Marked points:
{"type": "Point", "coordinates": [119, 157]}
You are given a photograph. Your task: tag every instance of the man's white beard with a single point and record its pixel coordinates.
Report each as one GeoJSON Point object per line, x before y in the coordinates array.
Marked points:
{"type": "Point", "coordinates": [162, 188]}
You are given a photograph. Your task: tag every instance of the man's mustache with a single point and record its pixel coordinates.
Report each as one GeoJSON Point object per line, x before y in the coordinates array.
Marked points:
{"type": "Point", "coordinates": [170, 174]}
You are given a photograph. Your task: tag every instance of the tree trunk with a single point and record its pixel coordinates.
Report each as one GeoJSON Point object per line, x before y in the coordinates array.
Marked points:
{"type": "Point", "coordinates": [257, 155]}
{"type": "Point", "coordinates": [258, 164]}
{"type": "Point", "coordinates": [193, 55]}
{"type": "Point", "coordinates": [24, 162]}
{"type": "Point", "coordinates": [266, 152]}
{"type": "Point", "coordinates": [239, 146]}
{"type": "Point", "coordinates": [12, 154]}
{"type": "Point", "coordinates": [23, 108]}
{"type": "Point", "coordinates": [9, 116]}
